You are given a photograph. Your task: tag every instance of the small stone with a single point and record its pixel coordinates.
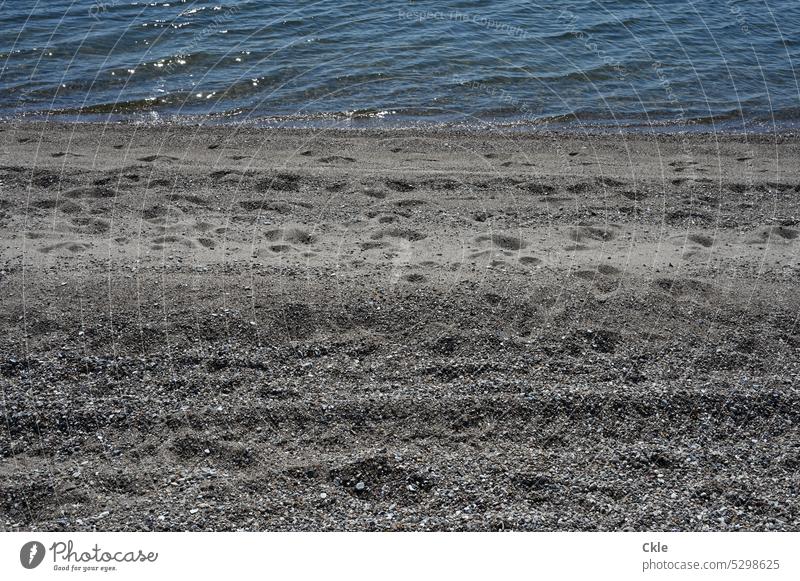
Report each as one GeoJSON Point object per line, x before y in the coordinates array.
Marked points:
{"type": "Point", "coordinates": [360, 486]}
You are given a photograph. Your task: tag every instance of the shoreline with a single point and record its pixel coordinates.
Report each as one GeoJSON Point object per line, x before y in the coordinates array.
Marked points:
{"type": "Point", "coordinates": [759, 130]}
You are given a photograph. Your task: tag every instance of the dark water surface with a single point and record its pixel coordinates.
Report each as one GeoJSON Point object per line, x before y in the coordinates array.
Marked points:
{"type": "Point", "coordinates": [712, 63]}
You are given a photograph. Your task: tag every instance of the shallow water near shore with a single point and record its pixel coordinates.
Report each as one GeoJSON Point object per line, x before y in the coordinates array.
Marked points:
{"type": "Point", "coordinates": [715, 65]}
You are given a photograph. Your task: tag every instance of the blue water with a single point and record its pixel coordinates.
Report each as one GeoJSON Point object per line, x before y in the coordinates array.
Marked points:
{"type": "Point", "coordinates": [714, 63]}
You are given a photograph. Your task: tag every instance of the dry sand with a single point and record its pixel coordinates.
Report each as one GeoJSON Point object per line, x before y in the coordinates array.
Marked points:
{"type": "Point", "coordinates": [220, 329]}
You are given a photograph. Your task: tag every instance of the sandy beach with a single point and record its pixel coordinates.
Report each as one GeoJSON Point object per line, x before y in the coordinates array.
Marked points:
{"type": "Point", "coordinates": [262, 329]}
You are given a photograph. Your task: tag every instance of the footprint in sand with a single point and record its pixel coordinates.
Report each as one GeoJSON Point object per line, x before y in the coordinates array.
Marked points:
{"type": "Point", "coordinates": [402, 233]}
{"type": "Point", "coordinates": [291, 235]}
{"type": "Point", "coordinates": [282, 182]}
{"type": "Point", "coordinates": [781, 234]}
{"type": "Point", "coordinates": [635, 195]}
{"type": "Point", "coordinates": [685, 288]}
{"type": "Point", "coordinates": [606, 278]}
{"type": "Point", "coordinates": [580, 188]}
{"type": "Point", "coordinates": [263, 205]}
{"type": "Point", "coordinates": [336, 159]}
{"type": "Point", "coordinates": [399, 186]}
{"type": "Point", "coordinates": [480, 254]}
{"type": "Point", "coordinates": [608, 270]}
{"type": "Point", "coordinates": [592, 233]}
{"type": "Point", "coordinates": [538, 189]}
{"type": "Point", "coordinates": [503, 241]}
{"type": "Point", "coordinates": [172, 239]}
{"type": "Point", "coordinates": [70, 246]}
{"type": "Point", "coordinates": [378, 195]}
{"type": "Point", "coordinates": [88, 225]}
{"type": "Point", "coordinates": [154, 212]}
{"type": "Point", "coordinates": [593, 272]}
{"type": "Point", "coordinates": [739, 188]}
{"type": "Point", "coordinates": [365, 246]}
{"type": "Point", "coordinates": [151, 158]}
{"type": "Point", "coordinates": [687, 217]}
{"type": "Point", "coordinates": [409, 203]}
{"type": "Point", "coordinates": [96, 192]}
{"type": "Point", "coordinates": [222, 173]}
{"type": "Point", "coordinates": [702, 240]}
{"type": "Point", "coordinates": [196, 200]}
{"type": "Point", "coordinates": [610, 182]}
{"type": "Point", "coordinates": [64, 206]}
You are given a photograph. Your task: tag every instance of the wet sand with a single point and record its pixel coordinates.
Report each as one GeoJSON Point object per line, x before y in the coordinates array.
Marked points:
{"type": "Point", "coordinates": [222, 329]}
